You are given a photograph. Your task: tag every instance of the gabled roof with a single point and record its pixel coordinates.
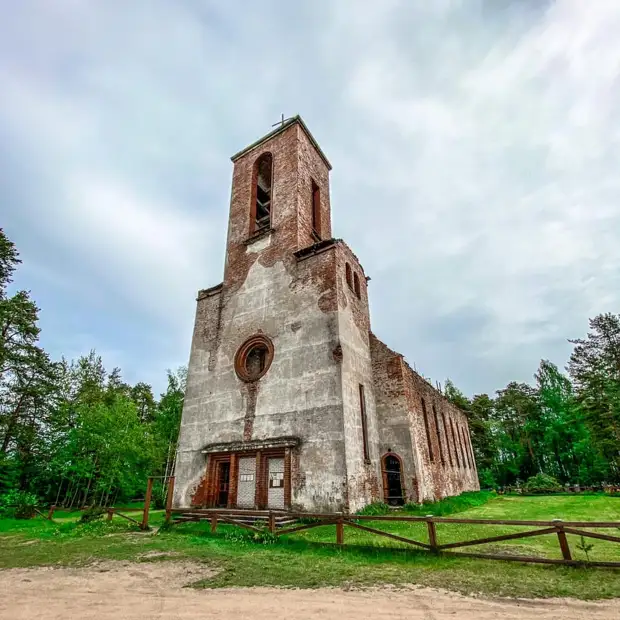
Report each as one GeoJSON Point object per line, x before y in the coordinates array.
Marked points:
{"type": "Point", "coordinates": [283, 127]}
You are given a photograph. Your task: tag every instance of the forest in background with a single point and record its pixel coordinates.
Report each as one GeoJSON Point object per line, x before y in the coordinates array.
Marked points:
{"type": "Point", "coordinates": [74, 433]}
{"type": "Point", "coordinates": [566, 426]}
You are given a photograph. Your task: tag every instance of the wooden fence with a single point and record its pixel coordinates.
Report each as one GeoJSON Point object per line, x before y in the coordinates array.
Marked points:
{"type": "Point", "coordinates": [114, 510]}
{"type": "Point", "coordinates": [280, 524]}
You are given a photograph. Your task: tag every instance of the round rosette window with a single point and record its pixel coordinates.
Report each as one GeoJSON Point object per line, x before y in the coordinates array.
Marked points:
{"type": "Point", "coordinates": [254, 358]}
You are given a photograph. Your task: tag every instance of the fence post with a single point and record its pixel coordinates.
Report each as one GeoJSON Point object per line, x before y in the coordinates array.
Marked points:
{"type": "Point", "coordinates": [340, 532]}
{"type": "Point", "coordinates": [147, 503]}
{"type": "Point", "coordinates": [50, 514]}
{"type": "Point", "coordinates": [432, 533]}
{"type": "Point", "coordinates": [272, 522]}
{"type": "Point", "coordinates": [559, 528]}
{"type": "Point", "coordinates": [213, 523]}
{"type": "Point", "coordinates": [169, 498]}
{"type": "Point", "coordinates": [110, 513]}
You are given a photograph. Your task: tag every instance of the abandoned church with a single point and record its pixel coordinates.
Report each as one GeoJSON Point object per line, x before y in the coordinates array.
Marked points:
{"type": "Point", "coordinates": [292, 403]}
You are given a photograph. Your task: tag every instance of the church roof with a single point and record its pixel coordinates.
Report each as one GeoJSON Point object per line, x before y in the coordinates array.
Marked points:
{"type": "Point", "coordinates": [282, 127]}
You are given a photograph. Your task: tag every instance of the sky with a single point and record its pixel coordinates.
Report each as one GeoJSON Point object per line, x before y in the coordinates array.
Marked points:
{"type": "Point", "coordinates": [475, 147]}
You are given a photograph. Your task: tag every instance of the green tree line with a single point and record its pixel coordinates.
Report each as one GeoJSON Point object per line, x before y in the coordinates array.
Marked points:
{"type": "Point", "coordinates": [564, 425]}
{"type": "Point", "coordinates": [72, 432]}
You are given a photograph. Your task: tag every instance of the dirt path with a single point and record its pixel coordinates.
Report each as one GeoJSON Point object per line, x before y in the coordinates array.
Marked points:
{"type": "Point", "coordinates": [153, 591]}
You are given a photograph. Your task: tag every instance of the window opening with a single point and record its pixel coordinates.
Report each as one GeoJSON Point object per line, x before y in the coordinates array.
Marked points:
{"type": "Point", "coordinates": [441, 454]}
{"type": "Point", "coordinates": [456, 447]}
{"type": "Point", "coordinates": [428, 433]}
{"type": "Point", "coordinates": [465, 452]}
{"type": "Point", "coordinates": [364, 422]}
{"type": "Point", "coordinates": [349, 275]}
{"type": "Point", "coordinates": [262, 206]}
{"type": "Point", "coordinates": [356, 285]}
{"type": "Point", "coordinates": [253, 358]}
{"type": "Point", "coordinates": [447, 436]}
{"type": "Point", "coordinates": [316, 209]}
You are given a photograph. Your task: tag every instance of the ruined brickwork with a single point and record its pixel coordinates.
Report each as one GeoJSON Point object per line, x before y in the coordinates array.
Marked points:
{"type": "Point", "coordinates": [311, 429]}
{"type": "Point", "coordinates": [428, 432]}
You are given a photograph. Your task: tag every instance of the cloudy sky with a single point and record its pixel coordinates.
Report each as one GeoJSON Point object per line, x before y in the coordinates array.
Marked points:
{"type": "Point", "coordinates": [475, 146]}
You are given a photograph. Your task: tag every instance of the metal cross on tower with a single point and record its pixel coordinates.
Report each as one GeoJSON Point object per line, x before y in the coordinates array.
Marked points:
{"type": "Point", "coordinates": [282, 121]}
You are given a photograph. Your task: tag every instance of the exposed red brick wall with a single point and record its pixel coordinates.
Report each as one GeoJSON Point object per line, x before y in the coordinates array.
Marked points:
{"type": "Point", "coordinates": [398, 386]}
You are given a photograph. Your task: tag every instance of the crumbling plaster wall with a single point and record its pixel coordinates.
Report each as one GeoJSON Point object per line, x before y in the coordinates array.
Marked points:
{"type": "Point", "coordinates": [363, 476]}
{"type": "Point", "coordinates": [299, 396]}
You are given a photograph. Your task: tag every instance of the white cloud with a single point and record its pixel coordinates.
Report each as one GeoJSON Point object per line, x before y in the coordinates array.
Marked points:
{"type": "Point", "coordinates": [474, 144]}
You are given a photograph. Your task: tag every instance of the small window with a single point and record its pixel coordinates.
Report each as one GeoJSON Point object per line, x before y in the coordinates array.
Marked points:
{"type": "Point", "coordinates": [261, 207]}
{"type": "Point", "coordinates": [246, 477]}
{"type": "Point", "coordinates": [356, 285]}
{"type": "Point", "coordinates": [276, 480]}
{"type": "Point", "coordinates": [349, 275]}
{"type": "Point", "coordinates": [429, 443]}
{"type": "Point", "coordinates": [316, 209]}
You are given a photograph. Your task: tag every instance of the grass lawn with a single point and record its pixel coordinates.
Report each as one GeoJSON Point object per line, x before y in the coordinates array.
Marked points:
{"type": "Point", "coordinates": [305, 560]}
{"type": "Point", "coordinates": [545, 508]}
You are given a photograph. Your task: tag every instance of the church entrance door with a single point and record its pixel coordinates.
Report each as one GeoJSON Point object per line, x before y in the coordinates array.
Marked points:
{"type": "Point", "coordinates": [223, 484]}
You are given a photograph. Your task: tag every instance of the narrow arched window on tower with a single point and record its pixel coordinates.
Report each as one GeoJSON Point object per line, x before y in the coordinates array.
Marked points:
{"type": "Point", "coordinates": [356, 285]}
{"type": "Point", "coordinates": [316, 210]}
{"type": "Point", "coordinates": [349, 275]}
{"type": "Point", "coordinates": [261, 198]}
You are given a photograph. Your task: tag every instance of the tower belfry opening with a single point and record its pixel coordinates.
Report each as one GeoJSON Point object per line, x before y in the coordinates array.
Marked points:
{"type": "Point", "coordinates": [263, 192]}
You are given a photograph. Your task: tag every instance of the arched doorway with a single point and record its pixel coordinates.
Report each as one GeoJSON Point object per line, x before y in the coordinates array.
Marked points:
{"type": "Point", "coordinates": [392, 479]}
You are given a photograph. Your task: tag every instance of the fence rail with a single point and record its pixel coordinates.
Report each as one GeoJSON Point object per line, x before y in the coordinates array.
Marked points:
{"type": "Point", "coordinates": [280, 524]}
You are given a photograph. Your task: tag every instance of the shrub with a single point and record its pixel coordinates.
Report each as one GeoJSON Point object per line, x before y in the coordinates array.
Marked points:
{"type": "Point", "coordinates": [19, 504]}
{"type": "Point", "coordinates": [263, 537]}
{"type": "Point", "coordinates": [376, 508]}
{"type": "Point", "coordinates": [541, 483]}
{"type": "Point", "coordinates": [487, 479]}
{"type": "Point", "coordinates": [450, 505]}
{"type": "Point", "coordinates": [92, 514]}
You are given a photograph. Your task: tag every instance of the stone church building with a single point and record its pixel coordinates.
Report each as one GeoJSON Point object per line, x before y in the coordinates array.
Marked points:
{"type": "Point", "coordinates": [292, 402]}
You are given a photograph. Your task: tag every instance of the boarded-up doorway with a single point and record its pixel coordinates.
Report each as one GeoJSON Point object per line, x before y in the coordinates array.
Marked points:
{"type": "Point", "coordinates": [275, 489]}
{"type": "Point", "coordinates": [246, 486]}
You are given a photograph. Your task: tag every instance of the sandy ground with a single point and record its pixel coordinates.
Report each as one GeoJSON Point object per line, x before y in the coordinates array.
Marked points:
{"type": "Point", "coordinates": [154, 590]}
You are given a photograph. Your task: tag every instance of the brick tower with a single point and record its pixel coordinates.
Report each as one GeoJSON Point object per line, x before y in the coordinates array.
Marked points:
{"type": "Point", "coordinates": [280, 408]}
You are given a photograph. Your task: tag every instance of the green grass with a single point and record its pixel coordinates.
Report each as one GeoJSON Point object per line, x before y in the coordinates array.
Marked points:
{"type": "Point", "coordinates": [593, 508]}
{"type": "Point", "coordinates": [310, 559]}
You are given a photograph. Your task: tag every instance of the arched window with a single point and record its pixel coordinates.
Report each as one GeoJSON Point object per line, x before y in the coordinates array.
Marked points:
{"type": "Point", "coordinates": [349, 275]}
{"type": "Point", "coordinates": [356, 285]}
{"type": "Point", "coordinates": [392, 471]}
{"type": "Point", "coordinates": [261, 193]}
